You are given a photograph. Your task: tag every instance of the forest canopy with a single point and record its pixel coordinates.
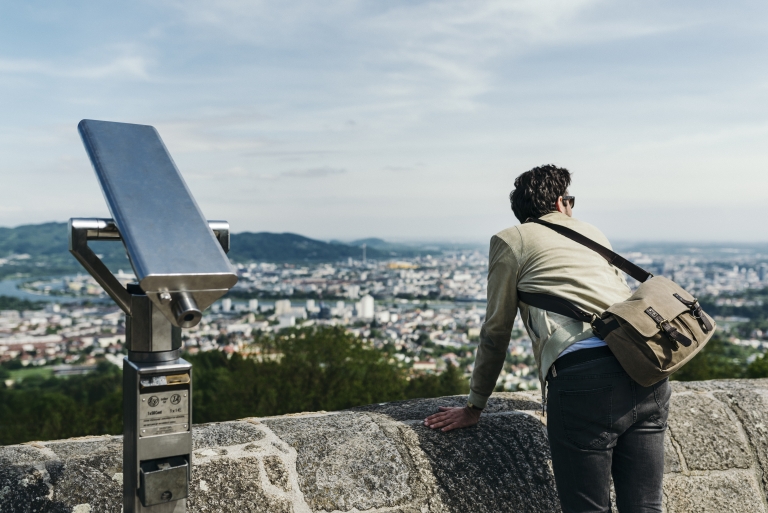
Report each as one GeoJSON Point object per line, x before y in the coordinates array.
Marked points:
{"type": "Point", "coordinates": [298, 370]}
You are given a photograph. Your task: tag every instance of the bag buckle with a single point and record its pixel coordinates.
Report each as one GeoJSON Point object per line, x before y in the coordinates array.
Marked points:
{"type": "Point", "coordinates": [696, 312]}
{"type": "Point", "coordinates": [592, 323]}
{"type": "Point", "coordinates": [667, 329]}
{"type": "Point", "coordinates": [666, 326]}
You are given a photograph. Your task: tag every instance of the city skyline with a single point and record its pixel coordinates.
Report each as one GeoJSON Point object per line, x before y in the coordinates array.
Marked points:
{"type": "Point", "coordinates": [405, 120]}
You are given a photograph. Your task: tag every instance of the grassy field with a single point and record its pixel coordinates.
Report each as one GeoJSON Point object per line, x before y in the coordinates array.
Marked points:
{"type": "Point", "coordinates": [21, 374]}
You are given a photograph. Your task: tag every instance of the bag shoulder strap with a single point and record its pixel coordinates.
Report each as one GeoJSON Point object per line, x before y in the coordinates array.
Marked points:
{"type": "Point", "coordinates": [566, 308]}
{"type": "Point", "coordinates": [614, 259]}
{"type": "Point", "coordinates": [555, 304]}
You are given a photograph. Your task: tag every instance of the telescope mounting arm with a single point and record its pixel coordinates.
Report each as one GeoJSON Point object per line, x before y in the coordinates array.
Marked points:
{"type": "Point", "coordinates": [81, 230]}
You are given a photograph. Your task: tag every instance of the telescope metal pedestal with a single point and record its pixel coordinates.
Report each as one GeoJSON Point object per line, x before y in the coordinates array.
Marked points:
{"type": "Point", "coordinates": [157, 436]}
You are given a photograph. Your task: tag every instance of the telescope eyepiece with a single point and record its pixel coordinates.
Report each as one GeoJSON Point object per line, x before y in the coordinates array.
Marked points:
{"type": "Point", "coordinates": [185, 310]}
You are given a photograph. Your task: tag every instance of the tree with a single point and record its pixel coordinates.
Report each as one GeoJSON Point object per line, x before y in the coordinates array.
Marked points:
{"type": "Point", "coordinates": [307, 370]}
{"type": "Point", "coordinates": [715, 361]}
{"type": "Point", "coordinates": [49, 408]}
{"type": "Point", "coordinates": [300, 370]}
{"type": "Point", "coordinates": [450, 382]}
{"type": "Point", "coordinates": [758, 368]}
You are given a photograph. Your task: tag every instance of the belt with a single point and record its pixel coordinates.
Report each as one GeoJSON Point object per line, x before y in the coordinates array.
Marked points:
{"type": "Point", "coordinates": [577, 357]}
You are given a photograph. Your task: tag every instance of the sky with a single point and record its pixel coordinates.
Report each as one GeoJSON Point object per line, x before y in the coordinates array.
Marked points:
{"type": "Point", "coordinates": [402, 120]}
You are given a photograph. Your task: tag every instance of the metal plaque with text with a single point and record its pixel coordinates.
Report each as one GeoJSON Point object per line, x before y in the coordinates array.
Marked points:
{"type": "Point", "coordinates": [164, 412]}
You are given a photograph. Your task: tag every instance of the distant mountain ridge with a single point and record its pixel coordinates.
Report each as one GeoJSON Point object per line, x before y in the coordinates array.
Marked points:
{"type": "Point", "coordinates": [48, 244]}
{"type": "Point", "coordinates": [382, 245]}
{"type": "Point", "coordinates": [290, 247]}
{"type": "Point", "coordinates": [48, 247]}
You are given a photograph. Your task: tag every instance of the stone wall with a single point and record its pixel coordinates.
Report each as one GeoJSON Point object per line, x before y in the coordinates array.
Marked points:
{"type": "Point", "coordinates": [379, 458]}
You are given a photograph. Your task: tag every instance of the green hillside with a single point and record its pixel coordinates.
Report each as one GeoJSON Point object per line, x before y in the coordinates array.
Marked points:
{"type": "Point", "coordinates": [47, 247]}
{"type": "Point", "coordinates": [289, 247]}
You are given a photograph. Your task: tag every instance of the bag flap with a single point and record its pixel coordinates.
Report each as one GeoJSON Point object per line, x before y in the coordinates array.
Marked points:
{"type": "Point", "coordinates": [657, 293]}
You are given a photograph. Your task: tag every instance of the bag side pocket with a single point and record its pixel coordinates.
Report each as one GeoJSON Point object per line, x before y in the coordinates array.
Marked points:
{"type": "Point", "coordinates": [586, 416]}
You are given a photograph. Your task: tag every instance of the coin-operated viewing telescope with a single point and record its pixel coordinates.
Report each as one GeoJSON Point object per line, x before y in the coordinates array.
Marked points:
{"type": "Point", "coordinates": [180, 263]}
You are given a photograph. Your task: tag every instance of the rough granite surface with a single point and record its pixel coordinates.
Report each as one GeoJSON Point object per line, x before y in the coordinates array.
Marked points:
{"type": "Point", "coordinates": [380, 458]}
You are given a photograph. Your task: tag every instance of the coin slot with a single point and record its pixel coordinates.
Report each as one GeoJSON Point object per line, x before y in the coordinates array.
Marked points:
{"type": "Point", "coordinates": [163, 480]}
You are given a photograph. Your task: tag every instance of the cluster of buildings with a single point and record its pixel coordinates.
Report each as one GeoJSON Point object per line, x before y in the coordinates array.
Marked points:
{"type": "Point", "coordinates": [456, 276]}
{"type": "Point", "coordinates": [69, 337]}
{"type": "Point", "coordinates": [722, 272]}
{"type": "Point", "coordinates": [78, 285]}
{"type": "Point", "coordinates": [425, 312]}
{"type": "Point", "coordinates": [424, 338]}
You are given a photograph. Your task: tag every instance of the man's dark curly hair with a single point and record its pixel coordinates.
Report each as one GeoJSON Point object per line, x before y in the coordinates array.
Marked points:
{"type": "Point", "coordinates": [536, 191]}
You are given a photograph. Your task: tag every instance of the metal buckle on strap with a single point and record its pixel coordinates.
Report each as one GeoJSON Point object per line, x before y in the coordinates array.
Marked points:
{"type": "Point", "coordinates": [600, 328]}
{"type": "Point", "coordinates": [666, 326]}
{"type": "Point", "coordinates": [592, 322]}
{"type": "Point", "coordinates": [658, 319]}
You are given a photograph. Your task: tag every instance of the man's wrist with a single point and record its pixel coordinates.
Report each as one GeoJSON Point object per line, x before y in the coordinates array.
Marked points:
{"type": "Point", "coordinates": [477, 400]}
{"type": "Point", "coordinates": [473, 407]}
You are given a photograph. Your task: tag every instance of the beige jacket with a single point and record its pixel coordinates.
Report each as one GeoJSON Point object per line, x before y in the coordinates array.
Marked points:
{"type": "Point", "coordinates": [535, 258]}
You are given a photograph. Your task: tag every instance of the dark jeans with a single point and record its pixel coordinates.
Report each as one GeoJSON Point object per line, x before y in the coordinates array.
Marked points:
{"type": "Point", "coordinates": [601, 423]}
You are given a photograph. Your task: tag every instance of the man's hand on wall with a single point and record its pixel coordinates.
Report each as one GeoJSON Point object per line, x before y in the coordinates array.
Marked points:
{"type": "Point", "coordinates": [449, 418]}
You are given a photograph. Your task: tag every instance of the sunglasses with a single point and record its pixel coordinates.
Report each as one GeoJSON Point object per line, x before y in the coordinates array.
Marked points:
{"type": "Point", "coordinates": [571, 199]}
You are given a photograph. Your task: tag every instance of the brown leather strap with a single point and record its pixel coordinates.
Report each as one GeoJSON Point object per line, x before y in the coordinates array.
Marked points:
{"type": "Point", "coordinates": [696, 312]}
{"type": "Point", "coordinates": [667, 327]}
{"type": "Point", "coordinates": [614, 259]}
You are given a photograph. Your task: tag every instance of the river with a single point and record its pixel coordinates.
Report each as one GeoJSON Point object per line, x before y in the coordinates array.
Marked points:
{"type": "Point", "coordinates": [10, 288]}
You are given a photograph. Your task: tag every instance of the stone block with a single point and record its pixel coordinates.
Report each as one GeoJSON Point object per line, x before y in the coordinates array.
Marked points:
{"type": "Point", "coordinates": [277, 473]}
{"type": "Point", "coordinates": [58, 485]}
{"type": "Point", "coordinates": [751, 407]}
{"type": "Point", "coordinates": [707, 436]}
{"type": "Point", "coordinates": [89, 480]}
{"type": "Point", "coordinates": [232, 485]}
{"type": "Point", "coordinates": [671, 459]}
{"type": "Point", "coordinates": [736, 491]}
{"type": "Point", "coordinates": [79, 447]}
{"type": "Point", "coordinates": [346, 461]}
{"type": "Point", "coordinates": [419, 409]}
{"type": "Point", "coordinates": [24, 488]}
{"type": "Point", "coordinates": [502, 465]}
{"type": "Point", "coordinates": [21, 454]}
{"type": "Point", "coordinates": [224, 434]}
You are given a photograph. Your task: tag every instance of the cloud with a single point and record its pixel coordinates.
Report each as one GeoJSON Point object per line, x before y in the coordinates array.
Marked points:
{"type": "Point", "coordinates": [223, 132]}
{"type": "Point", "coordinates": [425, 56]}
{"type": "Point", "coordinates": [121, 67]}
{"type": "Point", "coordinates": [20, 66]}
{"type": "Point", "coordinates": [398, 169]}
{"type": "Point", "coordinates": [316, 172]}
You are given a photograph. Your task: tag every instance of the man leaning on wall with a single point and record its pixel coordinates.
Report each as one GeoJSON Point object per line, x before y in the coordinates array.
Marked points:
{"type": "Point", "coordinates": [600, 422]}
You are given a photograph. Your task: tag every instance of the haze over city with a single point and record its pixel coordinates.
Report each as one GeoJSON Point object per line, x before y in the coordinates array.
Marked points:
{"type": "Point", "coordinates": [401, 120]}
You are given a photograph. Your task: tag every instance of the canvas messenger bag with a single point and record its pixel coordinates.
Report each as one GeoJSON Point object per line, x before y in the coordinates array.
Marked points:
{"type": "Point", "coordinates": [653, 333]}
